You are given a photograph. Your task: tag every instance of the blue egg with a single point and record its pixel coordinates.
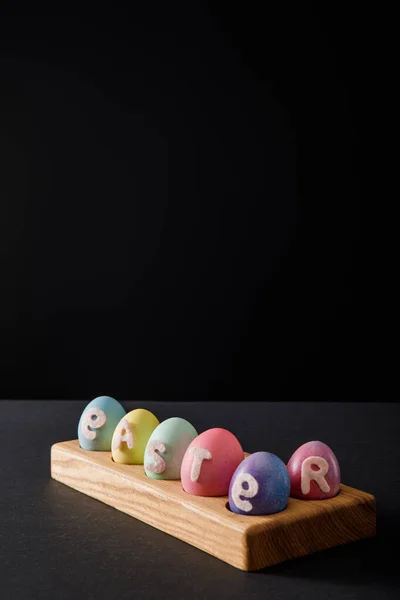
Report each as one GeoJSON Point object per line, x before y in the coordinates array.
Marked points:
{"type": "Point", "coordinates": [98, 422]}
{"type": "Point", "coordinates": [260, 485]}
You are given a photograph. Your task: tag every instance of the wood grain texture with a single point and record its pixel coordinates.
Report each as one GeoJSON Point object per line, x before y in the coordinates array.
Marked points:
{"type": "Point", "coordinates": [246, 542]}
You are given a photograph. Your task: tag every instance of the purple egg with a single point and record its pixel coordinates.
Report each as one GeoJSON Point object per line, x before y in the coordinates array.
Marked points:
{"type": "Point", "coordinates": [260, 485]}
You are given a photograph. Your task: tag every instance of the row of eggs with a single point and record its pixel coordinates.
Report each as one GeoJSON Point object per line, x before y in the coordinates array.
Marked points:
{"type": "Point", "coordinates": [210, 464]}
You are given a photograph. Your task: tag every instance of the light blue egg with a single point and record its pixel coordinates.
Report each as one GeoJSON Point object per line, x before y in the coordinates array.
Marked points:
{"type": "Point", "coordinates": [98, 422]}
{"type": "Point", "coordinates": [172, 438]}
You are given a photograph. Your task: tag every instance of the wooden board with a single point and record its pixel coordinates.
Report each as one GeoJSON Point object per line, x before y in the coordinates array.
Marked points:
{"type": "Point", "coordinates": [246, 542]}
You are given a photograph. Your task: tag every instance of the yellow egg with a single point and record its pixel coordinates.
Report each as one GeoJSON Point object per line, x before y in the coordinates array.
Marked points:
{"type": "Point", "coordinates": [131, 436]}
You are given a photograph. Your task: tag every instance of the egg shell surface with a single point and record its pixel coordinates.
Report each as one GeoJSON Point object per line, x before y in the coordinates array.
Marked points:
{"type": "Point", "coordinates": [272, 485]}
{"type": "Point", "coordinates": [141, 423]}
{"type": "Point", "coordinates": [176, 434]}
{"type": "Point", "coordinates": [114, 412]}
{"type": "Point", "coordinates": [298, 475]}
{"type": "Point", "coordinates": [215, 473]}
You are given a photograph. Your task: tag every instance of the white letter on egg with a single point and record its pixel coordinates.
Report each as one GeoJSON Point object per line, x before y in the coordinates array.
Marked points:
{"type": "Point", "coordinates": [238, 491]}
{"type": "Point", "coordinates": [92, 417]}
{"type": "Point", "coordinates": [307, 474]}
{"type": "Point", "coordinates": [157, 463]}
{"type": "Point", "coordinates": [122, 434]}
{"type": "Point", "coordinates": [199, 454]}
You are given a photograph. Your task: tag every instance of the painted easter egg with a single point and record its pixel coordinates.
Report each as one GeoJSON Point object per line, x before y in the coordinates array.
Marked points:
{"type": "Point", "coordinates": [131, 436]}
{"type": "Point", "coordinates": [314, 472]}
{"type": "Point", "coordinates": [260, 485]}
{"type": "Point", "coordinates": [166, 448]}
{"type": "Point", "coordinates": [209, 463]}
{"type": "Point", "coordinates": [98, 422]}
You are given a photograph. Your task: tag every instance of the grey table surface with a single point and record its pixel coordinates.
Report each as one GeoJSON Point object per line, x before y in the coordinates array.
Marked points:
{"type": "Point", "coordinates": [58, 543]}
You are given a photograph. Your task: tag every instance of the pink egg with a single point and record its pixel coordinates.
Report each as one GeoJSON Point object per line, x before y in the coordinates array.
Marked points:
{"type": "Point", "coordinates": [209, 463]}
{"type": "Point", "coordinates": [314, 472]}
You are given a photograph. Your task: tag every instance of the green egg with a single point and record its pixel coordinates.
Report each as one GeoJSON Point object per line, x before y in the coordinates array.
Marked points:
{"type": "Point", "coordinates": [166, 448]}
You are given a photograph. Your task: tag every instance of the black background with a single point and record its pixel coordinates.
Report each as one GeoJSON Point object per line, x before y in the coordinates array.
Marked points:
{"type": "Point", "coordinates": [180, 203]}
